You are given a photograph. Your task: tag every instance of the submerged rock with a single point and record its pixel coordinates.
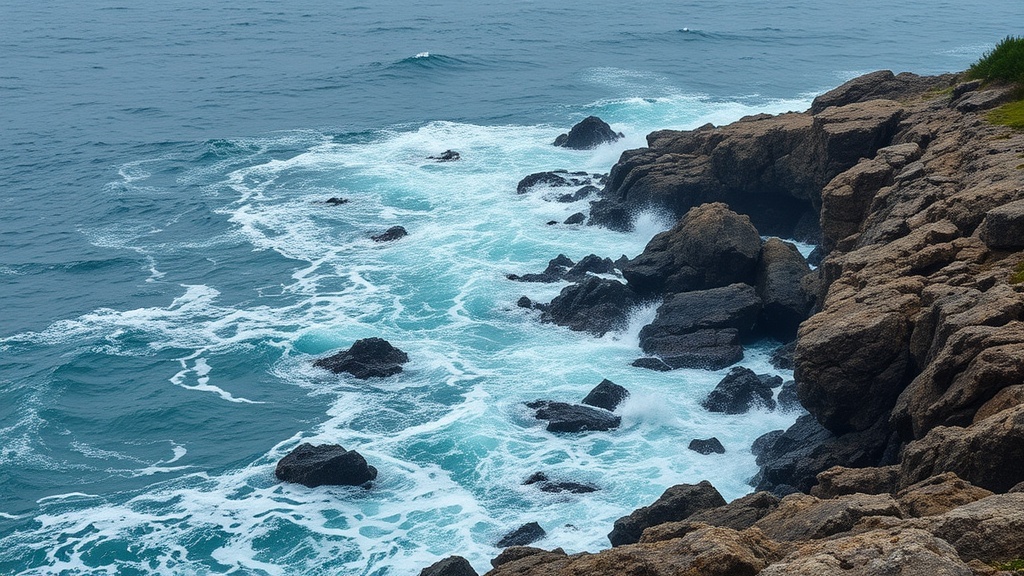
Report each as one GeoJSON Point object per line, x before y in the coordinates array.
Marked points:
{"type": "Point", "coordinates": [563, 417]}
{"type": "Point", "coordinates": [326, 464]}
{"type": "Point", "coordinates": [550, 179]}
{"type": "Point", "coordinates": [392, 234]}
{"type": "Point", "coordinates": [525, 534]}
{"type": "Point", "coordinates": [595, 305]}
{"type": "Point", "coordinates": [738, 392]}
{"type": "Point", "coordinates": [607, 395]}
{"type": "Point", "coordinates": [589, 133]}
{"type": "Point", "coordinates": [446, 156]}
{"type": "Point", "coordinates": [548, 485]}
{"type": "Point", "coordinates": [367, 358]}
{"type": "Point", "coordinates": [707, 446]}
{"type": "Point", "coordinates": [577, 218]}
{"type": "Point", "coordinates": [336, 201]}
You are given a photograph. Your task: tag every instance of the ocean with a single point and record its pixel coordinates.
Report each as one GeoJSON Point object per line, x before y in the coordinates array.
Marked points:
{"type": "Point", "coordinates": [169, 269]}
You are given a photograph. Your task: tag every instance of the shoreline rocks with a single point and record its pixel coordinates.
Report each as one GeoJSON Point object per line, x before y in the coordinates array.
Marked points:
{"type": "Point", "coordinates": [324, 465]}
{"type": "Point", "coordinates": [367, 358]}
{"type": "Point", "coordinates": [588, 133]}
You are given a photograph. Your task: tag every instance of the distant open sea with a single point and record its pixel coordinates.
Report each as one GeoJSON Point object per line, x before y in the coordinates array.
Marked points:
{"type": "Point", "coordinates": [169, 270]}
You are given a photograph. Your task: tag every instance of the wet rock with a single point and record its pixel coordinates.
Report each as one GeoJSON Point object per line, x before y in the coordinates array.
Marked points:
{"type": "Point", "coordinates": [894, 551]}
{"type": "Point", "coordinates": [787, 398]}
{"type": "Point", "coordinates": [590, 264]}
{"type": "Point", "coordinates": [577, 218]}
{"type": "Point", "coordinates": [729, 307]}
{"type": "Point", "coordinates": [580, 194]}
{"type": "Point", "coordinates": [938, 495]}
{"type": "Point", "coordinates": [705, 349]}
{"type": "Point", "coordinates": [782, 357]}
{"type": "Point", "coordinates": [525, 534]}
{"type": "Point", "coordinates": [739, 392]}
{"type": "Point", "coordinates": [549, 179]}
{"type": "Point", "coordinates": [545, 484]}
{"type": "Point", "coordinates": [524, 302]}
{"type": "Point", "coordinates": [450, 566]}
{"type": "Point", "coordinates": [710, 247]}
{"type": "Point", "coordinates": [1003, 227]}
{"type": "Point", "coordinates": [563, 417]}
{"type": "Point", "coordinates": [707, 446]}
{"type": "Point", "coordinates": [651, 363]}
{"type": "Point", "coordinates": [336, 201]}
{"type": "Point", "coordinates": [677, 503]}
{"type": "Point", "coordinates": [589, 133]}
{"type": "Point", "coordinates": [739, 514]}
{"type": "Point", "coordinates": [367, 358]}
{"type": "Point", "coordinates": [785, 304]}
{"type": "Point", "coordinates": [607, 395]}
{"type": "Point", "coordinates": [323, 465]}
{"type": "Point", "coordinates": [771, 380]}
{"type": "Point", "coordinates": [392, 234]}
{"type": "Point", "coordinates": [840, 481]}
{"type": "Point", "coordinates": [595, 305]}
{"type": "Point", "coordinates": [446, 156]}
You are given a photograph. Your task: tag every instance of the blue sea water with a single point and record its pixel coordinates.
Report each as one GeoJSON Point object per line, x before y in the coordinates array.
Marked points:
{"type": "Point", "coordinates": [168, 269]}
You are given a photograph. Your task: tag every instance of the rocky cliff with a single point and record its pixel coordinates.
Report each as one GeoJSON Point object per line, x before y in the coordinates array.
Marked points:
{"type": "Point", "coordinates": [912, 364]}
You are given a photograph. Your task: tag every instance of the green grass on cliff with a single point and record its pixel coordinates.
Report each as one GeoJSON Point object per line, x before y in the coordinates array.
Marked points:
{"type": "Point", "coordinates": [1018, 274]}
{"type": "Point", "coordinates": [1014, 566]}
{"type": "Point", "coordinates": [1005, 62]}
{"type": "Point", "coordinates": [1011, 115]}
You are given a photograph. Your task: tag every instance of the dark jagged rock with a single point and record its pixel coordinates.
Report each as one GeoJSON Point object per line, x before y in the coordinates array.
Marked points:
{"type": "Point", "coordinates": [705, 349]}
{"type": "Point", "coordinates": [525, 534]}
{"type": "Point", "coordinates": [580, 194]}
{"type": "Point", "coordinates": [324, 465]}
{"type": "Point", "coordinates": [561, 260]}
{"type": "Point", "coordinates": [649, 363]}
{"type": "Point", "coordinates": [524, 302]}
{"type": "Point", "coordinates": [513, 553]}
{"type": "Point", "coordinates": [782, 358]}
{"type": "Point", "coordinates": [563, 417]}
{"type": "Point", "coordinates": [577, 218]}
{"type": "Point", "coordinates": [392, 234]}
{"type": "Point", "coordinates": [446, 156]}
{"type": "Point", "coordinates": [595, 305]}
{"type": "Point", "coordinates": [592, 264]}
{"type": "Point", "coordinates": [762, 445]}
{"type": "Point", "coordinates": [787, 398]}
{"type": "Point", "coordinates": [739, 514]}
{"type": "Point", "coordinates": [589, 133]}
{"type": "Point", "coordinates": [367, 358]}
{"type": "Point", "coordinates": [450, 566]}
{"type": "Point", "coordinates": [607, 395]}
{"type": "Point", "coordinates": [677, 503]}
{"type": "Point", "coordinates": [710, 247]}
{"type": "Point", "coordinates": [547, 485]}
{"type": "Point", "coordinates": [738, 392]}
{"type": "Point", "coordinates": [779, 274]}
{"type": "Point", "coordinates": [707, 446]}
{"type": "Point", "coordinates": [336, 201]}
{"type": "Point", "coordinates": [770, 380]}
{"type": "Point", "coordinates": [549, 179]}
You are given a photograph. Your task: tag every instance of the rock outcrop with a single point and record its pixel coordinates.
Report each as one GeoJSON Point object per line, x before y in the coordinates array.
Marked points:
{"type": "Point", "coordinates": [588, 133]}
{"type": "Point", "coordinates": [324, 465]}
{"type": "Point", "coordinates": [367, 358]}
{"type": "Point", "coordinates": [563, 417]}
{"type": "Point", "coordinates": [677, 503]}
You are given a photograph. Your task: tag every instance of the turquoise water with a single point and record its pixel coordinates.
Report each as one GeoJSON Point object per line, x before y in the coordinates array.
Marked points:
{"type": "Point", "coordinates": [169, 271]}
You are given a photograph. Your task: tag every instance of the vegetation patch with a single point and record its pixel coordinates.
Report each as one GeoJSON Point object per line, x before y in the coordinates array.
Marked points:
{"type": "Point", "coordinates": [1004, 62]}
{"type": "Point", "coordinates": [1011, 115]}
{"type": "Point", "coordinates": [1011, 566]}
{"type": "Point", "coordinates": [1017, 278]}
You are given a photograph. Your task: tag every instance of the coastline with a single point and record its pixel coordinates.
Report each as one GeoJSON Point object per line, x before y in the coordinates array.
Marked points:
{"type": "Point", "coordinates": [909, 363]}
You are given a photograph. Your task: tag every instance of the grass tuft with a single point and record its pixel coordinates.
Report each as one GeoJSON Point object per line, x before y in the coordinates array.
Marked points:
{"type": "Point", "coordinates": [1004, 62]}
{"type": "Point", "coordinates": [1015, 566]}
{"type": "Point", "coordinates": [1017, 278]}
{"type": "Point", "coordinates": [1011, 115]}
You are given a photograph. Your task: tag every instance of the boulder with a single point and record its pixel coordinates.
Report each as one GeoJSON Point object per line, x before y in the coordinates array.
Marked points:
{"type": "Point", "coordinates": [982, 453]}
{"type": "Point", "coordinates": [785, 304]}
{"type": "Point", "coordinates": [324, 465]}
{"type": "Point", "coordinates": [801, 517]}
{"type": "Point", "coordinates": [782, 357]}
{"type": "Point", "coordinates": [840, 481]}
{"type": "Point", "coordinates": [707, 446]}
{"type": "Point", "coordinates": [590, 264]}
{"type": "Point", "coordinates": [677, 503]}
{"type": "Point", "coordinates": [739, 514]}
{"type": "Point", "coordinates": [607, 395]}
{"type": "Point", "coordinates": [367, 358]}
{"type": "Point", "coordinates": [1003, 400]}
{"type": "Point", "coordinates": [548, 179]}
{"type": "Point", "coordinates": [938, 495]}
{"type": "Point", "coordinates": [894, 551]}
{"type": "Point", "coordinates": [545, 484]}
{"type": "Point", "coordinates": [564, 417]}
{"type": "Point", "coordinates": [989, 529]}
{"type": "Point", "coordinates": [705, 349]}
{"type": "Point", "coordinates": [738, 392]}
{"type": "Point", "coordinates": [730, 307]}
{"type": "Point", "coordinates": [595, 305]}
{"type": "Point", "coordinates": [589, 133]}
{"type": "Point", "coordinates": [336, 201]}
{"type": "Point", "coordinates": [390, 235]}
{"type": "Point", "coordinates": [513, 553]}
{"type": "Point", "coordinates": [450, 566]}
{"type": "Point", "coordinates": [771, 380]}
{"type": "Point", "coordinates": [578, 195]}
{"type": "Point", "coordinates": [525, 534]}
{"type": "Point", "coordinates": [656, 364]}
{"type": "Point", "coordinates": [577, 218]}
{"type": "Point", "coordinates": [446, 156]}
{"type": "Point", "coordinates": [710, 247]}
{"type": "Point", "coordinates": [1003, 227]}
{"type": "Point", "coordinates": [787, 398]}
{"type": "Point", "coordinates": [524, 302]}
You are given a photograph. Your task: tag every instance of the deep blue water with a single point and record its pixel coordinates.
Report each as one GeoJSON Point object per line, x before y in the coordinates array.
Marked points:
{"type": "Point", "coordinates": [168, 269]}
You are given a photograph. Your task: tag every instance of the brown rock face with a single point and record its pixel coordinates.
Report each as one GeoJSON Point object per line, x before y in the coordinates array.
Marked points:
{"type": "Point", "coordinates": [786, 303]}
{"type": "Point", "coordinates": [990, 530]}
{"type": "Point", "coordinates": [840, 481]}
{"type": "Point", "coordinates": [801, 517]}
{"type": "Point", "coordinates": [938, 495]}
{"type": "Point", "coordinates": [739, 514]}
{"type": "Point", "coordinates": [897, 551]}
{"type": "Point", "coordinates": [677, 503]}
